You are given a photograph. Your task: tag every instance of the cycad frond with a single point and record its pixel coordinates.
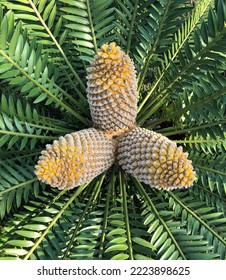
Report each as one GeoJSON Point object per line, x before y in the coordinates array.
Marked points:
{"type": "Point", "coordinates": [191, 60]}
{"type": "Point", "coordinates": [22, 65]}
{"type": "Point", "coordinates": [44, 23]}
{"type": "Point", "coordinates": [17, 183]}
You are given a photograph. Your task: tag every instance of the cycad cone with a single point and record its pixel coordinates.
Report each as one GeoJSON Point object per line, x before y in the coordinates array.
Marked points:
{"type": "Point", "coordinates": [75, 159]}
{"type": "Point", "coordinates": [112, 90]}
{"type": "Point", "coordinates": [154, 160]}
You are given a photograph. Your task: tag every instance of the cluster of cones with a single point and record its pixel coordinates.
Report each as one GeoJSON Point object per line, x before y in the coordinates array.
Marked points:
{"type": "Point", "coordinates": [77, 158]}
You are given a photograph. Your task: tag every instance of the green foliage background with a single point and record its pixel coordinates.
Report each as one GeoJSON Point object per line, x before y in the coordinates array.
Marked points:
{"type": "Point", "coordinates": [179, 50]}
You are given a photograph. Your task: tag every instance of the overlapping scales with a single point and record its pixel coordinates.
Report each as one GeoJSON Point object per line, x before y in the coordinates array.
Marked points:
{"type": "Point", "coordinates": [75, 159]}
{"type": "Point", "coordinates": [155, 160]}
{"type": "Point", "coordinates": [112, 90]}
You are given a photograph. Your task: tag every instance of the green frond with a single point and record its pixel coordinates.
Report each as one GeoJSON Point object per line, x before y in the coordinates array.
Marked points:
{"type": "Point", "coordinates": [24, 124]}
{"type": "Point", "coordinates": [180, 38]}
{"type": "Point", "coordinates": [23, 66]}
{"type": "Point", "coordinates": [207, 145]}
{"type": "Point", "coordinates": [208, 174]}
{"type": "Point", "coordinates": [80, 25]}
{"type": "Point", "coordinates": [211, 198]}
{"type": "Point", "coordinates": [44, 23]}
{"type": "Point", "coordinates": [48, 211]}
{"type": "Point", "coordinates": [104, 21]}
{"type": "Point", "coordinates": [162, 237]}
{"type": "Point", "coordinates": [210, 224]}
{"type": "Point", "coordinates": [157, 22]}
{"type": "Point", "coordinates": [86, 233]}
{"type": "Point", "coordinates": [17, 183]}
{"type": "Point", "coordinates": [190, 67]}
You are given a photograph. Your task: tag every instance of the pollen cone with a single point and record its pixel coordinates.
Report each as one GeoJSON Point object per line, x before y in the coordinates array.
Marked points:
{"type": "Point", "coordinates": [154, 160]}
{"type": "Point", "coordinates": [112, 90]}
{"type": "Point", "coordinates": [75, 159]}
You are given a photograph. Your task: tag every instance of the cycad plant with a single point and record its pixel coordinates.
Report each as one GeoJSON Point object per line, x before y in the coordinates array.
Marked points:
{"type": "Point", "coordinates": [179, 53]}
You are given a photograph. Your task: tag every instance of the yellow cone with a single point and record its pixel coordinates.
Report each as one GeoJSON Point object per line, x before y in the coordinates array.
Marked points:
{"type": "Point", "coordinates": [155, 160]}
{"type": "Point", "coordinates": [112, 90]}
{"type": "Point", "coordinates": [75, 159]}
